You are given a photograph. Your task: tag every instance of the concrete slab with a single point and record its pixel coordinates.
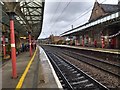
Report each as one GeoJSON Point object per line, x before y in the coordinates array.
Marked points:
{"type": "Point", "coordinates": [114, 51]}
{"type": "Point", "coordinates": [49, 78]}
{"type": "Point", "coordinates": [31, 79]}
{"type": "Point", "coordinates": [40, 74]}
{"type": "Point", "coordinates": [21, 62]}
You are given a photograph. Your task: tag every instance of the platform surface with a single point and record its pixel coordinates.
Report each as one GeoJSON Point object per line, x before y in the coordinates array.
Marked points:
{"type": "Point", "coordinates": [50, 78]}
{"type": "Point", "coordinates": [40, 74]}
{"type": "Point", "coordinates": [21, 63]}
{"type": "Point", "coordinates": [114, 51]}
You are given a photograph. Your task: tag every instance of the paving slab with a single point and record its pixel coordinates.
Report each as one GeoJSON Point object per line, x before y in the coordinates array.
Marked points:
{"type": "Point", "coordinates": [49, 78]}
{"type": "Point", "coordinates": [21, 63]}
{"type": "Point", "coordinates": [40, 74]}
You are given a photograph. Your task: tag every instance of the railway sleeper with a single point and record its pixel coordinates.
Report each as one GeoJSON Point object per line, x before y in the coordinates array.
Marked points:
{"type": "Point", "coordinates": [86, 87]}
{"type": "Point", "coordinates": [74, 72]}
{"type": "Point", "coordinates": [77, 79]}
{"type": "Point", "coordinates": [83, 84]}
{"type": "Point", "coordinates": [69, 67]}
{"type": "Point", "coordinates": [80, 82]}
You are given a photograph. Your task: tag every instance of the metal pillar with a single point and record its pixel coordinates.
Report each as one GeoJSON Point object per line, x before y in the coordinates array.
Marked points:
{"type": "Point", "coordinates": [30, 48]}
{"type": "Point", "coordinates": [4, 47]}
{"type": "Point", "coordinates": [13, 50]}
{"type": "Point", "coordinates": [83, 41]}
{"type": "Point", "coordinates": [103, 43]}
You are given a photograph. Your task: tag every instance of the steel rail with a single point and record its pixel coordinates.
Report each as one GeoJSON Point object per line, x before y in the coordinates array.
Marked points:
{"type": "Point", "coordinates": [57, 58]}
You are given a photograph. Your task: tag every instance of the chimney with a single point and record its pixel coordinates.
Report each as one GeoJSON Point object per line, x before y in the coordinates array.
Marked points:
{"type": "Point", "coordinates": [118, 2]}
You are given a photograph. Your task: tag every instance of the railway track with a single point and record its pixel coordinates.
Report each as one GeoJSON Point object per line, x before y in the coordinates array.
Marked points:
{"type": "Point", "coordinates": [102, 65]}
{"type": "Point", "coordinates": [72, 77]}
{"type": "Point", "coordinates": [112, 69]}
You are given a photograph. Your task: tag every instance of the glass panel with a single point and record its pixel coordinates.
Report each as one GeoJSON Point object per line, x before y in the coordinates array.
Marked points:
{"type": "Point", "coordinates": [117, 14]}
{"type": "Point", "coordinates": [86, 26]}
{"type": "Point", "coordinates": [112, 16]}
{"type": "Point", "coordinates": [98, 21]}
{"type": "Point", "coordinates": [32, 4]}
{"type": "Point", "coordinates": [37, 3]}
{"type": "Point", "coordinates": [92, 24]}
{"type": "Point", "coordinates": [35, 12]}
{"type": "Point", "coordinates": [95, 22]}
{"type": "Point", "coordinates": [104, 19]}
{"type": "Point", "coordinates": [36, 21]}
{"type": "Point", "coordinates": [28, 18]}
{"type": "Point", "coordinates": [89, 24]}
{"type": "Point", "coordinates": [108, 17]}
{"type": "Point", "coordinates": [30, 10]}
{"type": "Point", "coordinates": [21, 22]}
{"type": "Point", "coordinates": [30, 22]}
{"type": "Point", "coordinates": [37, 18]}
{"type": "Point", "coordinates": [17, 18]}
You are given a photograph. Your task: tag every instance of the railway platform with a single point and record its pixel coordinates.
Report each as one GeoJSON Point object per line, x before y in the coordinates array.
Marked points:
{"type": "Point", "coordinates": [112, 51]}
{"type": "Point", "coordinates": [32, 72]}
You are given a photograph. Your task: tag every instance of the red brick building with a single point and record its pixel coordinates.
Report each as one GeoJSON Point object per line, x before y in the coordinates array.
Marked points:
{"type": "Point", "coordinates": [106, 34]}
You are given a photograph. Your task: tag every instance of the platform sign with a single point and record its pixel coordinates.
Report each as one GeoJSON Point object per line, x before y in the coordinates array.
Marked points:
{"type": "Point", "coordinates": [6, 39]}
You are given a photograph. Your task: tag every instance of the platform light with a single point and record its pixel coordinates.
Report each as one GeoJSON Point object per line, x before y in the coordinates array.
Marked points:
{"type": "Point", "coordinates": [23, 37]}
{"type": "Point", "coordinates": [105, 37]}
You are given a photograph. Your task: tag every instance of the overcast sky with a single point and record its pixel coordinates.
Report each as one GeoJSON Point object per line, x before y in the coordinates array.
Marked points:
{"type": "Point", "coordinates": [59, 16]}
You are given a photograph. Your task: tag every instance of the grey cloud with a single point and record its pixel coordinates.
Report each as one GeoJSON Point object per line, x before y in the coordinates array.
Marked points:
{"type": "Point", "coordinates": [70, 13]}
{"type": "Point", "coordinates": [75, 9]}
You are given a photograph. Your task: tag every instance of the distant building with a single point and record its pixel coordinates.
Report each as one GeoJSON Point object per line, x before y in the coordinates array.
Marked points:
{"type": "Point", "coordinates": [44, 41]}
{"type": "Point", "coordinates": [55, 39]}
{"type": "Point", "coordinates": [105, 34]}
{"type": "Point", "coordinates": [101, 10]}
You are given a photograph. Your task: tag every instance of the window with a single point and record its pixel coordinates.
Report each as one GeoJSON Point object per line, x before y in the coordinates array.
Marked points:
{"type": "Point", "coordinates": [96, 11]}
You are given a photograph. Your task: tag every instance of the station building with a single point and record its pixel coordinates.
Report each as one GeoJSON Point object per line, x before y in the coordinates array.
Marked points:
{"type": "Point", "coordinates": [106, 34]}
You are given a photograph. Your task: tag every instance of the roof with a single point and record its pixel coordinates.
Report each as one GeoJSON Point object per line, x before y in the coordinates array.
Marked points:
{"type": "Point", "coordinates": [109, 8]}
{"type": "Point", "coordinates": [28, 14]}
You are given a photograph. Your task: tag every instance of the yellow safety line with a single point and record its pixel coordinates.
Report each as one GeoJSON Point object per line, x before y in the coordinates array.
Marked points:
{"type": "Point", "coordinates": [20, 83]}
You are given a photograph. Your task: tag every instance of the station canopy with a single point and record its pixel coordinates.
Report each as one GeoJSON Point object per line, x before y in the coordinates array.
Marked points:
{"type": "Point", "coordinates": [28, 15]}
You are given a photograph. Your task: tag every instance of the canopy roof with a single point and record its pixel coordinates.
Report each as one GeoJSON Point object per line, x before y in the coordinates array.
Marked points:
{"type": "Point", "coordinates": [28, 13]}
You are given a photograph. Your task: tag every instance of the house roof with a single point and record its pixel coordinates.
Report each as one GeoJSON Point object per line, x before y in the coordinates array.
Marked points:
{"type": "Point", "coordinates": [109, 8]}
